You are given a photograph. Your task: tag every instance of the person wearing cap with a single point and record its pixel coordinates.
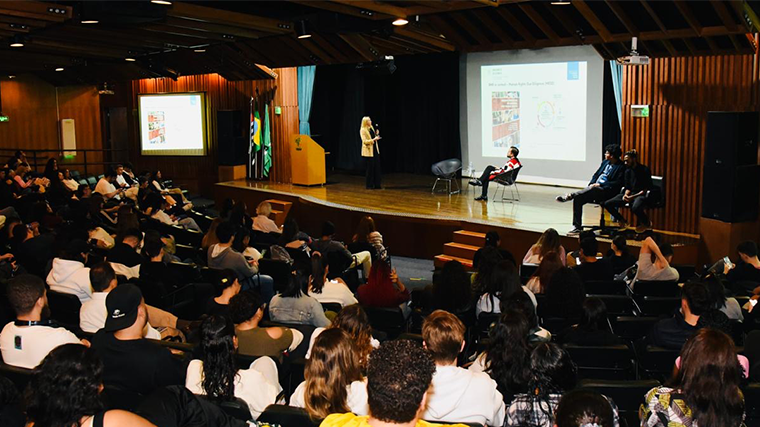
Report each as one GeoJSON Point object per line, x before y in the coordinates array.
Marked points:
{"type": "Point", "coordinates": [27, 340]}
{"type": "Point", "coordinates": [69, 274]}
{"type": "Point", "coordinates": [133, 363]}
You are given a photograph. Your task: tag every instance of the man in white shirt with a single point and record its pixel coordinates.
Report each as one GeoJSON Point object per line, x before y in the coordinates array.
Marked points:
{"type": "Point", "coordinates": [27, 340]}
{"type": "Point", "coordinates": [457, 395]}
{"type": "Point", "coordinates": [106, 188]}
{"type": "Point", "coordinates": [130, 190]}
{"type": "Point", "coordinates": [69, 275]}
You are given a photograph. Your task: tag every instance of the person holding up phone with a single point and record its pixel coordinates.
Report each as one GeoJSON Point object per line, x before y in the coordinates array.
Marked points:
{"type": "Point", "coordinates": [383, 288]}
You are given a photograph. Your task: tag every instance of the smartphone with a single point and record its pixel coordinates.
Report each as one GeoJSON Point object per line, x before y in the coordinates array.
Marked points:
{"type": "Point", "coordinates": [726, 260]}
{"type": "Point", "coordinates": [753, 302]}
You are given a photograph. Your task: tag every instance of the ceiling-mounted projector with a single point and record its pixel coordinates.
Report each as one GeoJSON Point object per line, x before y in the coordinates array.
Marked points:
{"type": "Point", "coordinates": [105, 90]}
{"type": "Point", "coordinates": [633, 58]}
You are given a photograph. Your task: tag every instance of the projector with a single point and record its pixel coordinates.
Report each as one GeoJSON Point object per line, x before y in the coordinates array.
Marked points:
{"type": "Point", "coordinates": [633, 58]}
{"type": "Point", "coordinates": [106, 90]}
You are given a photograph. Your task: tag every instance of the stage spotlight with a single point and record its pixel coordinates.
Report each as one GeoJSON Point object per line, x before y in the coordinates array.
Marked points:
{"type": "Point", "coordinates": [561, 3]}
{"type": "Point", "coordinates": [199, 50]}
{"type": "Point", "coordinates": [89, 21]}
{"type": "Point", "coordinates": [11, 76]}
{"type": "Point", "coordinates": [17, 41]}
{"type": "Point", "coordinates": [301, 30]}
{"type": "Point", "coordinates": [130, 59]}
{"type": "Point", "coordinates": [400, 22]}
{"type": "Point", "coordinates": [59, 69]}
{"type": "Point", "coordinates": [164, 2]}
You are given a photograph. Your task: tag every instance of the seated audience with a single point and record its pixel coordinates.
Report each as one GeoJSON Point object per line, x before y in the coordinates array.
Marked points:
{"type": "Point", "coordinates": [228, 285]}
{"type": "Point", "coordinates": [292, 305]}
{"type": "Point", "coordinates": [507, 356]}
{"type": "Point", "coordinates": [332, 249]}
{"type": "Point", "coordinates": [69, 182]}
{"type": "Point", "coordinates": [367, 238]}
{"type": "Point", "coordinates": [222, 256]}
{"type": "Point", "coordinates": [565, 295]}
{"type": "Point", "coordinates": [618, 255]}
{"type": "Point", "coordinates": [131, 362]}
{"type": "Point", "coordinates": [398, 381]}
{"type": "Point", "coordinates": [594, 327]}
{"type": "Point", "coordinates": [210, 238]}
{"type": "Point", "coordinates": [125, 251]}
{"type": "Point", "coordinates": [66, 389]}
{"type": "Point", "coordinates": [458, 394]}
{"type": "Point", "coordinates": [548, 242]}
{"type": "Point", "coordinates": [584, 408]}
{"type": "Point", "coordinates": [591, 268]}
{"type": "Point", "coordinates": [106, 188]}
{"type": "Point", "coordinates": [27, 340]}
{"type": "Point", "coordinates": [239, 217]}
{"type": "Point", "coordinates": [500, 284]}
{"type": "Point", "coordinates": [383, 288]}
{"type": "Point", "coordinates": [247, 310]}
{"type": "Point", "coordinates": [324, 290]}
{"type": "Point", "coordinates": [158, 212]}
{"type": "Point", "coordinates": [69, 274]}
{"type": "Point", "coordinates": [748, 269]}
{"type": "Point", "coordinates": [31, 248]}
{"type": "Point", "coordinates": [728, 305]}
{"type": "Point", "coordinates": [156, 272]}
{"type": "Point", "coordinates": [451, 290]}
{"type": "Point", "coordinates": [573, 258]}
{"type": "Point", "coordinates": [704, 390]}
{"type": "Point", "coordinates": [492, 240]}
{"type": "Point", "coordinates": [546, 269]}
{"type": "Point", "coordinates": [673, 332]}
{"type": "Point", "coordinates": [158, 184]}
{"type": "Point", "coordinates": [333, 378]}
{"type": "Point", "coordinates": [654, 262]}
{"type": "Point", "coordinates": [216, 375]}
{"type": "Point", "coordinates": [523, 304]}
{"type": "Point", "coordinates": [262, 222]}
{"type": "Point", "coordinates": [354, 321]}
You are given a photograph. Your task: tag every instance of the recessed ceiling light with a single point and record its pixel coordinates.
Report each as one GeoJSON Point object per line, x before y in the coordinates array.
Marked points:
{"type": "Point", "coordinates": [199, 50]}
{"type": "Point", "coordinates": [90, 21]}
{"type": "Point", "coordinates": [17, 44]}
{"type": "Point", "coordinates": [304, 36]}
{"type": "Point", "coordinates": [561, 3]}
{"type": "Point", "coordinates": [59, 69]}
{"type": "Point", "coordinates": [11, 77]}
{"type": "Point", "coordinates": [301, 31]}
{"type": "Point", "coordinates": [400, 22]}
{"type": "Point", "coordinates": [164, 2]}
{"type": "Point", "coordinates": [129, 59]}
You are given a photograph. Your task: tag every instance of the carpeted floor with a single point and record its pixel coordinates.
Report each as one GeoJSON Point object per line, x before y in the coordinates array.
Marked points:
{"type": "Point", "coordinates": [414, 273]}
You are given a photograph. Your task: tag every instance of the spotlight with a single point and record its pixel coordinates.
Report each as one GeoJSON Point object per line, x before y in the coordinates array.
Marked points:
{"type": "Point", "coordinates": [89, 21]}
{"type": "Point", "coordinates": [400, 22]}
{"type": "Point", "coordinates": [11, 76]}
{"type": "Point", "coordinates": [17, 41]}
{"type": "Point", "coordinates": [561, 3]}
{"type": "Point", "coordinates": [59, 69]}
{"type": "Point", "coordinates": [301, 30]}
{"type": "Point", "coordinates": [199, 50]}
{"type": "Point", "coordinates": [129, 59]}
{"type": "Point", "coordinates": [164, 2]}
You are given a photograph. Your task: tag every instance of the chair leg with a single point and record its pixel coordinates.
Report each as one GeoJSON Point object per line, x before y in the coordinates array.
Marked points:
{"type": "Point", "coordinates": [459, 189]}
{"type": "Point", "coordinates": [434, 184]}
{"type": "Point", "coordinates": [518, 191]}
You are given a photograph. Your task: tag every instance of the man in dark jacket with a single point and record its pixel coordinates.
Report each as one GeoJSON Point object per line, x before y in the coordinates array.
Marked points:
{"type": "Point", "coordinates": [604, 185]}
{"type": "Point", "coordinates": [637, 182]}
{"type": "Point", "coordinates": [673, 332]}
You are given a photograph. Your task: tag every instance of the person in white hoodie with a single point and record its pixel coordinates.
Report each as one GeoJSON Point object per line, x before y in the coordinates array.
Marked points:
{"type": "Point", "coordinates": [457, 395]}
{"type": "Point", "coordinates": [69, 275]}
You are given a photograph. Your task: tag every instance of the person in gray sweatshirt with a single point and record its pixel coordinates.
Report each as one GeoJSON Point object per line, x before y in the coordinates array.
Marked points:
{"type": "Point", "coordinates": [222, 256]}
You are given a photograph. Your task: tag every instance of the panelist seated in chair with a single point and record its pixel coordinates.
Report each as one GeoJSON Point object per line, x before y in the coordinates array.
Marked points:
{"type": "Point", "coordinates": [637, 184]}
{"type": "Point", "coordinates": [605, 184]}
{"type": "Point", "coordinates": [491, 172]}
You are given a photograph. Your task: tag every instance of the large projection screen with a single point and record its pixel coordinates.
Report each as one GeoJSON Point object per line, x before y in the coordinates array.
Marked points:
{"type": "Point", "coordinates": [546, 102]}
{"type": "Point", "coordinates": [173, 124]}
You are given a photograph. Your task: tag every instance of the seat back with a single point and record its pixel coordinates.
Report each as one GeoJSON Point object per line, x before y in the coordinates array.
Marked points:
{"type": "Point", "coordinates": [526, 271]}
{"type": "Point", "coordinates": [278, 270]}
{"type": "Point", "coordinates": [236, 408]}
{"type": "Point", "coordinates": [605, 287]}
{"type": "Point", "coordinates": [387, 319]}
{"type": "Point", "coordinates": [64, 309]}
{"type": "Point", "coordinates": [658, 362]}
{"type": "Point", "coordinates": [617, 305]}
{"type": "Point", "coordinates": [332, 306]}
{"type": "Point", "coordinates": [19, 376]}
{"type": "Point", "coordinates": [446, 168]}
{"type": "Point", "coordinates": [603, 362]}
{"type": "Point", "coordinates": [752, 403]}
{"type": "Point", "coordinates": [657, 288]}
{"type": "Point", "coordinates": [509, 177]}
{"type": "Point", "coordinates": [285, 415]}
{"type": "Point", "coordinates": [117, 398]}
{"type": "Point", "coordinates": [658, 306]}
{"type": "Point", "coordinates": [627, 395]}
{"type": "Point", "coordinates": [92, 182]}
{"type": "Point", "coordinates": [631, 328]}
{"type": "Point", "coordinates": [685, 272]}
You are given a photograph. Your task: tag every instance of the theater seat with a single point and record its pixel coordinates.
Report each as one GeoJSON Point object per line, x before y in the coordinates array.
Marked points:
{"type": "Point", "coordinates": [387, 319]}
{"type": "Point", "coordinates": [603, 362]}
{"type": "Point", "coordinates": [19, 376]}
{"type": "Point", "coordinates": [117, 398]}
{"type": "Point", "coordinates": [656, 288]}
{"type": "Point", "coordinates": [620, 305]}
{"type": "Point", "coordinates": [631, 328]}
{"type": "Point", "coordinates": [752, 403]}
{"type": "Point", "coordinates": [605, 287]}
{"type": "Point", "coordinates": [64, 309]}
{"type": "Point", "coordinates": [285, 415]}
{"type": "Point", "coordinates": [278, 270]}
{"type": "Point", "coordinates": [627, 395]}
{"type": "Point", "coordinates": [236, 408]}
{"type": "Point", "coordinates": [657, 362]}
{"type": "Point", "coordinates": [658, 306]}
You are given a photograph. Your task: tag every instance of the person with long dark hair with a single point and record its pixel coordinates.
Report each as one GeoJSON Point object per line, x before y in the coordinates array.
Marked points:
{"type": "Point", "coordinates": [452, 291]}
{"type": "Point", "coordinates": [619, 256]}
{"type": "Point", "coordinates": [66, 390]}
{"type": "Point", "coordinates": [247, 311]}
{"type": "Point", "coordinates": [352, 319]}
{"type": "Point", "coordinates": [584, 408]}
{"type": "Point", "coordinates": [704, 391]}
{"type": "Point", "coordinates": [216, 374]}
{"type": "Point", "coordinates": [522, 303]}
{"type": "Point", "coordinates": [325, 290]}
{"type": "Point", "coordinates": [546, 269]}
{"type": "Point", "coordinates": [492, 240]}
{"type": "Point", "coordinates": [593, 329]}
{"type": "Point", "coordinates": [728, 305]}
{"type": "Point", "coordinates": [500, 284]}
{"type": "Point", "coordinates": [293, 305]}
{"type": "Point", "coordinates": [565, 295]}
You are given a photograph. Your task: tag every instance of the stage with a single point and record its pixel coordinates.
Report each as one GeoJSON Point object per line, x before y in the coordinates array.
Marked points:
{"type": "Point", "coordinates": [407, 199]}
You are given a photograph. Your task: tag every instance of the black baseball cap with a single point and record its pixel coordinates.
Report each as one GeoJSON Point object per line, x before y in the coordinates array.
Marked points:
{"type": "Point", "coordinates": [122, 304]}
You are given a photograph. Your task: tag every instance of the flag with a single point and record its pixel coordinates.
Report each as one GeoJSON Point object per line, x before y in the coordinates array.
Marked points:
{"type": "Point", "coordinates": [266, 142]}
{"type": "Point", "coordinates": [255, 134]}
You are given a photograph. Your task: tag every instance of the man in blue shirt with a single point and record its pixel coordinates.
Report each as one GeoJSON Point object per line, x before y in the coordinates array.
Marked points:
{"type": "Point", "coordinates": [605, 184]}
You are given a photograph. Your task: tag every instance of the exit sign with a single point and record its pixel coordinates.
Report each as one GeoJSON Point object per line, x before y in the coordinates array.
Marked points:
{"type": "Point", "coordinates": [4, 118]}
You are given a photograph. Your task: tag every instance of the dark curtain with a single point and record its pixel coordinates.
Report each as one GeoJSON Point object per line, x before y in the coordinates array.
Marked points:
{"type": "Point", "coordinates": [610, 123]}
{"type": "Point", "coordinates": [417, 108]}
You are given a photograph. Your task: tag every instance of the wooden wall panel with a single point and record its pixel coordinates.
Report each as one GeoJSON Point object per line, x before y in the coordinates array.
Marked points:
{"type": "Point", "coordinates": [680, 92]}
{"type": "Point", "coordinates": [200, 173]}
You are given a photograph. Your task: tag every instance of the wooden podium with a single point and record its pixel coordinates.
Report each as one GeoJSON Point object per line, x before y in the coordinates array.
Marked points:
{"type": "Point", "coordinates": [307, 159]}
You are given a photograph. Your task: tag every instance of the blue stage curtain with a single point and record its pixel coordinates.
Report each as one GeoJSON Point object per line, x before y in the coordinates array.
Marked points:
{"type": "Point", "coordinates": [305, 91]}
{"type": "Point", "coordinates": [617, 85]}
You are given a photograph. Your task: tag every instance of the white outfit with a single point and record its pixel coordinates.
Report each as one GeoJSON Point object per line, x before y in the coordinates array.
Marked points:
{"type": "Point", "coordinates": [479, 365]}
{"type": "Point", "coordinates": [334, 291]}
{"type": "Point", "coordinates": [70, 277]}
{"type": "Point", "coordinates": [186, 223]}
{"type": "Point", "coordinates": [373, 342]}
{"type": "Point", "coordinates": [258, 385]}
{"type": "Point", "coordinates": [99, 234]}
{"type": "Point", "coordinates": [356, 397]}
{"type": "Point", "coordinates": [35, 343]}
{"type": "Point", "coordinates": [484, 303]}
{"type": "Point", "coordinates": [264, 224]}
{"type": "Point", "coordinates": [464, 396]}
{"type": "Point", "coordinates": [93, 313]}
{"type": "Point", "coordinates": [104, 187]}
{"type": "Point", "coordinates": [71, 184]}
{"type": "Point", "coordinates": [128, 272]}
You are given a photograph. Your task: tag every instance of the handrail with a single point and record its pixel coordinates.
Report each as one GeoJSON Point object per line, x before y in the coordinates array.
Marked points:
{"type": "Point", "coordinates": [33, 158]}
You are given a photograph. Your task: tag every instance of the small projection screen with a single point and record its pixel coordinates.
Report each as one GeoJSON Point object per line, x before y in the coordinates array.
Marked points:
{"type": "Point", "coordinates": [173, 124]}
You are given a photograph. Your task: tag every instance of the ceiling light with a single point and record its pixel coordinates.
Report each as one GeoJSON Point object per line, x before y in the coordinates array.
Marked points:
{"type": "Point", "coordinates": [17, 41]}
{"type": "Point", "coordinates": [59, 69]}
{"type": "Point", "coordinates": [11, 77]}
{"type": "Point", "coordinates": [89, 21]}
{"type": "Point", "coordinates": [301, 30]}
{"type": "Point", "coordinates": [400, 22]}
{"type": "Point", "coordinates": [561, 3]}
{"type": "Point", "coordinates": [199, 50]}
{"type": "Point", "coordinates": [129, 59]}
{"type": "Point", "coordinates": [164, 2]}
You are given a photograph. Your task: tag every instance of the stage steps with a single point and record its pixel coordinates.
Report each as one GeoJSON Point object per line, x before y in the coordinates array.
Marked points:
{"type": "Point", "coordinates": [280, 210]}
{"type": "Point", "coordinates": [462, 249]}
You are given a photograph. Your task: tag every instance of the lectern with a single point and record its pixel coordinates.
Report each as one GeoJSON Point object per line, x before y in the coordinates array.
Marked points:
{"type": "Point", "coordinates": [307, 159]}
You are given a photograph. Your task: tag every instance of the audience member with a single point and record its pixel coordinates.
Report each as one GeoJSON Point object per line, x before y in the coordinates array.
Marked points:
{"type": "Point", "coordinates": [500, 284]}
{"type": "Point", "coordinates": [11, 412]}
{"type": "Point", "coordinates": [324, 290]}
{"type": "Point", "coordinates": [618, 255]}
{"type": "Point", "coordinates": [594, 327]}
{"type": "Point", "coordinates": [591, 268]}
{"type": "Point", "coordinates": [492, 240]}
{"type": "Point", "coordinates": [748, 269]}
{"type": "Point", "coordinates": [227, 285]}
{"type": "Point", "coordinates": [66, 389]}
{"type": "Point", "coordinates": [239, 217]}
{"type": "Point", "coordinates": [262, 222]}
{"type": "Point", "coordinates": [673, 332]}
{"type": "Point", "coordinates": [523, 304]}
{"type": "Point", "coordinates": [32, 249]}
{"type": "Point", "coordinates": [654, 262]}
{"type": "Point", "coordinates": [69, 274]}
{"type": "Point", "coordinates": [573, 258]}
{"type": "Point", "coordinates": [216, 375]}
{"type": "Point", "coordinates": [565, 295]}
{"type": "Point", "coordinates": [158, 185]}
{"type": "Point", "coordinates": [354, 321]}
{"type": "Point", "coordinates": [247, 310]}
{"type": "Point", "coordinates": [333, 378]}
{"type": "Point", "coordinates": [704, 390]}
{"type": "Point", "coordinates": [337, 254]}
{"type": "Point", "coordinates": [384, 288]}
{"type": "Point", "coordinates": [158, 212]}
{"type": "Point", "coordinates": [584, 408]}
{"type": "Point", "coordinates": [105, 186]}
{"type": "Point", "coordinates": [546, 269]}
{"type": "Point", "coordinates": [728, 305]}
{"type": "Point", "coordinates": [292, 305]}
{"type": "Point", "coordinates": [70, 182]}
{"type": "Point", "coordinates": [210, 238]}
{"type": "Point", "coordinates": [27, 340]}
{"type": "Point", "coordinates": [367, 238]}
{"type": "Point", "coordinates": [548, 242]}
{"type": "Point", "coordinates": [398, 381]}
{"type": "Point", "coordinates": [125, 250]}
{"type": "Point", "coordinates": [451, 290]}
{"type": "Point", "coordinates": [131, 362]}
{"type": "Point", "coordinates": [458, 394]}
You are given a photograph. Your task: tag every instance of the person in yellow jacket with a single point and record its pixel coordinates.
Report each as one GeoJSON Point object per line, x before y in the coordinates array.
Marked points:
{"type": "Point", "coordinates": [399, 377]}
{"type": "Point", "coordinates": [371, 152]}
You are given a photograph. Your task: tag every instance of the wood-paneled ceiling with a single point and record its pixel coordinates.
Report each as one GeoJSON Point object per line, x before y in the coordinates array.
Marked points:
{"type": "Point", "coordinates": [245, 39]}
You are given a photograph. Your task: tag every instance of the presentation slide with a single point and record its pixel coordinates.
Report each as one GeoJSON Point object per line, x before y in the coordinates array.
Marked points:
{"type": "Point", "coordinates": [546, 102]}
{"type": "Point", "coordinates": [539, 108]}
{"type": "Point", "coordinates": [173, 124]}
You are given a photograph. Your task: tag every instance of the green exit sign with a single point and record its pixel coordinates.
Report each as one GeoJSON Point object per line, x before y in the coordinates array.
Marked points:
{"type": "Point", "coordinates": [4, 118]}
